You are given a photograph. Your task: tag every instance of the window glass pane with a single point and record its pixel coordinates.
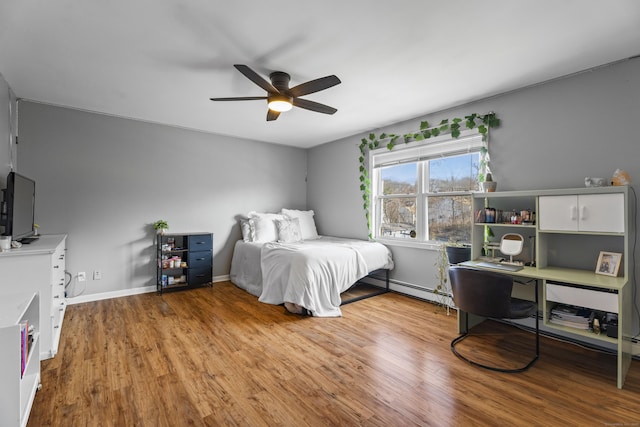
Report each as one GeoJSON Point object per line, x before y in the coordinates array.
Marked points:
{"type": "Point", "coordinates": [455, 173]}
{"type": "Point", "coordinates": [399, 179]}
{"type": "Point", "coordinates": [450, 218]}
{"type": "Point", "coordinates": [398, 218]}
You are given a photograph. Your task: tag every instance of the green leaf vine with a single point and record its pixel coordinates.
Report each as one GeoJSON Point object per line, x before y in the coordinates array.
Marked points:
{"type": "Point", "coordinates": [481, 122]}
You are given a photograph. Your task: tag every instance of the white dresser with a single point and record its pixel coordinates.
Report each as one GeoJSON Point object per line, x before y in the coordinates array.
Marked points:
{"type": "Point", "coordinates": [39, 267]}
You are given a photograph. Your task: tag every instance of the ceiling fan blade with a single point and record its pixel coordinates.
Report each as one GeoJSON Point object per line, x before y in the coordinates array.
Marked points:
{"type": "Point", "coordinates": [272, 115]}
{"type": "Point", "coordinates": [243, 98]}
{"type": "Point", "coordinates": [313, 106]}
{"type": "Point", "coordinates": [255, 77]}
{"type": "Point", "coordinates": [314, 86]}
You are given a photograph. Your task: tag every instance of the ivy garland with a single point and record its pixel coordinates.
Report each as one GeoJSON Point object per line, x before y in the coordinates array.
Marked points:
{"type": "Point", "coordinates": [483, 122]}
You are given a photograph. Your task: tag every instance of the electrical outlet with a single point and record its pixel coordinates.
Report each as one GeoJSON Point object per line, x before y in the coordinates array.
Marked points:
{"type": "Point", "coordinates": [97, 275]}
{"type": "Point", "coordinates": [82, 276]}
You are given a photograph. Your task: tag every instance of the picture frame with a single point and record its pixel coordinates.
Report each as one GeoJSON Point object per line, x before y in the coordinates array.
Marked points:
{"type": "Point", "coordinates": [608, 263]}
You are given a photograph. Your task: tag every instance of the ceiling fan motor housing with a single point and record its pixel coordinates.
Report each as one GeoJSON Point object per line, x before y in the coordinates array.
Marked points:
{"type": "Point", "coordinates": [280, 80]}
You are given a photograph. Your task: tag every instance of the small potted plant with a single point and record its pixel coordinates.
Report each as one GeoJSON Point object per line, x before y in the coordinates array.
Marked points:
{"type": "Point", "coordinates": [161, 226]}
{"type": "Point", "coordinates": [442, 291]}
{"type": "Point", "coordinates": [489, 185]}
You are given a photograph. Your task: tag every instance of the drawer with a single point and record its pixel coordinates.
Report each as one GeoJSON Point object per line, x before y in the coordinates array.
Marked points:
{"type": "Point", "coordinates": [200, 242]}
{"type": "Point", "coordinates": [199, 276]}
{"type": "Point", "coordinates": [582, 297]}
{"type": "Point", "coordinates": [200, 259]}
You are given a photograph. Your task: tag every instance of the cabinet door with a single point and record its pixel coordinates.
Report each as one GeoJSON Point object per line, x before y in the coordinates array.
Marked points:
{"type": "Point", "coordinates": [558, 213]}
{"type": "Point", "coordinates": [601, 212]}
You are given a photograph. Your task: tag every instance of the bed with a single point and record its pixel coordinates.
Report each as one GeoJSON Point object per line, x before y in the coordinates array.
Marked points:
{"type": "Point", "coordinates": [306, 272]}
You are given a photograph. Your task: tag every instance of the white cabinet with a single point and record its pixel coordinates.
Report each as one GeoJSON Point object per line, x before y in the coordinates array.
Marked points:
{"type": "Point", "coordinates": [582, 212]}
{"type": "Point", "coordinates": [19, 359]}
{"type": "Point", "coordinates": [39, 267]}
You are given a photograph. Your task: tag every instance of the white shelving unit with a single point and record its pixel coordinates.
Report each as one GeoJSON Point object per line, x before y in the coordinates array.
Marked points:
{"type": "Point", "coordinates": [18, 386]}
{"type": "Point", "coordinates": [572, 227]}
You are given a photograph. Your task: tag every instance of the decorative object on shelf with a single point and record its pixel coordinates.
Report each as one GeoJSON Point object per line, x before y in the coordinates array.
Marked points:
{"type": "Point", "coordinates": [595, 182]}
{"type": "Point", "coordinates": [620, 177]}
{"type": "Point", "coordinates": [161, 226]}
{"type": "Point", "coordinates": [481, 122]}
{"type": "Point", "coordinates": [608, 263]}
{"type": "Point", "coordinates": [489, 185]}
{"type": "Point", "coordinates": [35, 229]}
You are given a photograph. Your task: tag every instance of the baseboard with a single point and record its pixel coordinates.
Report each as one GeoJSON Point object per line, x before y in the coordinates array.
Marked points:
{"type": "Point", "coordinates": [124, 293]}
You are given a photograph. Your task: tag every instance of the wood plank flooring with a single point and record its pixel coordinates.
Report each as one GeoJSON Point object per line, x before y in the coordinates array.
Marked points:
{"type": "Point", "coordinates": [218, 357]}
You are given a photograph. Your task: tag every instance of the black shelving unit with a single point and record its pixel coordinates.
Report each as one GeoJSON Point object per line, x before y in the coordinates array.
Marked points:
{"type": "Point", "coordinates": [184, 261]}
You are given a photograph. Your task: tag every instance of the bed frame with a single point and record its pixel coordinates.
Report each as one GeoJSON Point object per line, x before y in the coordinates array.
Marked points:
{"type": "Point", "coordinates": [378, 291]}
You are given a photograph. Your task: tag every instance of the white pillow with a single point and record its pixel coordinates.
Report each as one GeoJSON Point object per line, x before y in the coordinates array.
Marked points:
{"type": "Point", "coordinates": [289, 230]}
{"type": "Point", "coordinates": [264, 227]}
{"type": "Point", "coordinates": [307, 223]}
{"type": "Point", "coordinates": [247, 230]}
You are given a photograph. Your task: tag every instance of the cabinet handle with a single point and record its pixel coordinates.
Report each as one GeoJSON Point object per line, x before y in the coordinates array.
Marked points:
{"type": "Point", "coordinates": [574, 213]}
{"type": "Point", "coordinates": [56, 266]}
{"type": "Point", "coordinates": [583, 212]}
{"type": "Point", "coordinates": [56, 326]}
{"type": "Point", "coordinates": [199, 259]}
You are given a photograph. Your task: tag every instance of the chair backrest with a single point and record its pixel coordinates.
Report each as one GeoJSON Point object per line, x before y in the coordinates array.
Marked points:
{"type": "Point", "coordinates": [481, 292]}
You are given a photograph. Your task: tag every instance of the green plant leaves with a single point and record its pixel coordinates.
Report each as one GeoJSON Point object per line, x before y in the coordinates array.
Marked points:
{"type": "Point", "coordinates": [452, 126]}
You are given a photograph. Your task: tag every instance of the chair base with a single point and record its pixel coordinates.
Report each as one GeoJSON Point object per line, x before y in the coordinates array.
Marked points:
{"type": "Point", "coordinates": [495, 368]}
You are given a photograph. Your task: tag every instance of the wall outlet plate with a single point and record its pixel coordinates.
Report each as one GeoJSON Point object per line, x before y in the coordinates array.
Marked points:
{"type": "Point", "coordinates": [82, 276]}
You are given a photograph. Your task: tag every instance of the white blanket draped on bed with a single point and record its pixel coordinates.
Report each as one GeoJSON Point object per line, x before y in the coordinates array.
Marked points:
{"type": "Point", "coordinates": [313, 274]}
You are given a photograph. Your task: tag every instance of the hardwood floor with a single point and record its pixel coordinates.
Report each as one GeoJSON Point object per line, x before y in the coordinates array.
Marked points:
{"type": "Point", "coordinates": [216, 356]}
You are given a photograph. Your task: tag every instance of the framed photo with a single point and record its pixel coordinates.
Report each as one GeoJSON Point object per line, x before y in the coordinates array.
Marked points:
{"type": "Point", "coordinates": [609, 263]}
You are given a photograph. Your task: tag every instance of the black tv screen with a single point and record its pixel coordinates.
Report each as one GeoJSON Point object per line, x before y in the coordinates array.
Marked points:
{"type": "Point", "coordinates": [20, 199]}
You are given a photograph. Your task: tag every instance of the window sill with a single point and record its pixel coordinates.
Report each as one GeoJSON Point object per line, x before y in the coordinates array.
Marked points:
{"type": "Point", "coordinates": [409, 244]}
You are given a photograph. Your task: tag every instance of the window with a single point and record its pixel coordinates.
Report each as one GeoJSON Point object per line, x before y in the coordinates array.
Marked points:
{"type": "Point", "coordinates": [423, 193]}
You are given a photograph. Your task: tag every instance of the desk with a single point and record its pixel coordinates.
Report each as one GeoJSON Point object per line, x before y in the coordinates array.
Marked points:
{"type": "Point", "coordinates": [591, 290]}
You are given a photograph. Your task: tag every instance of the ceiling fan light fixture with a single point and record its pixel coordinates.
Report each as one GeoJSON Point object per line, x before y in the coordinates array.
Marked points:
{"type": "Point", "coordinates": [280, 103]}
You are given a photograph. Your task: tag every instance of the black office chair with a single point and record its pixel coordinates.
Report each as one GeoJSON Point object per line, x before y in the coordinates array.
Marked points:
{"type": "Point", "coordinates": [488, 294]}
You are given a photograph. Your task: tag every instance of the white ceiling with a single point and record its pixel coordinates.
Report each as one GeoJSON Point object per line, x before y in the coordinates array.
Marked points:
{"type": "Point", "coordinates": [161, 60]}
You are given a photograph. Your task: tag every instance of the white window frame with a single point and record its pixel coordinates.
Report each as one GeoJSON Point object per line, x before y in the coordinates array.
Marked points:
{"type": "Point", "coordinates": [469, 141]}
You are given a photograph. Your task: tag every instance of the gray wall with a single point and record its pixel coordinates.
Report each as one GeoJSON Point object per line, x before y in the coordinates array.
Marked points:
{"type": "Point", "coordinates": [551, 136]}
{"type": "Point", "coordinates": [103, 180]}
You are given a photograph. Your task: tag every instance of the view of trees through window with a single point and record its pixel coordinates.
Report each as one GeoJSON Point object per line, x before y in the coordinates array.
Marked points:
{"type": "Point", "coordinates": [447, 216]}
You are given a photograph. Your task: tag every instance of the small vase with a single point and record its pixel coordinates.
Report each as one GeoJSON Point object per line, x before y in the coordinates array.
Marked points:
{"type": "Point", "coordinates": [161, 231]}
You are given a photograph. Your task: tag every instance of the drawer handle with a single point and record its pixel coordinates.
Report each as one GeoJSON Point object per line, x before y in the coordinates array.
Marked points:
{"type": "Point", "coordinates": [56, 326]}
{"type": "Point", "coordinates": [56, 266]}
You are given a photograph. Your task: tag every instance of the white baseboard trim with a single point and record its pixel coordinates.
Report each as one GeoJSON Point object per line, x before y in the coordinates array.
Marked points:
{"type": "Point", "coordinates": [125, 293]}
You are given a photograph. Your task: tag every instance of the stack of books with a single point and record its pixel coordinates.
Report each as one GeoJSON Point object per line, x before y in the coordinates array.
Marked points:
{"type": "Point", "coordinates": [578, 318]}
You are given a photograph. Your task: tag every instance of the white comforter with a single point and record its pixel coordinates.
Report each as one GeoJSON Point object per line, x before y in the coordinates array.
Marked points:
{"type": "Point", "coordinates": [313, 273]}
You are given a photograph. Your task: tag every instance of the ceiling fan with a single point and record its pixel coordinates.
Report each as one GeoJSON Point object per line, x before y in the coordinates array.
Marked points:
{"type": "Point", "coordinates": [280, 97]}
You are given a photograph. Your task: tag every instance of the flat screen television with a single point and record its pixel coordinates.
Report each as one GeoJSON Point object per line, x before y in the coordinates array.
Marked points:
{"type": "Point", "coordinates": [19, 206]}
